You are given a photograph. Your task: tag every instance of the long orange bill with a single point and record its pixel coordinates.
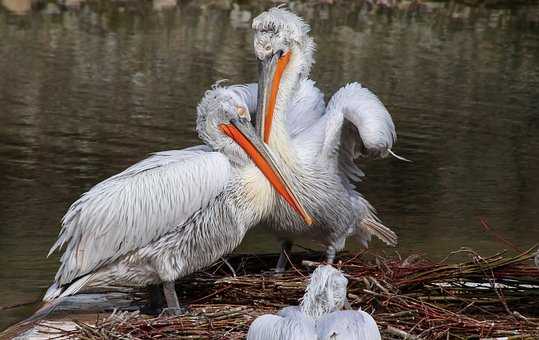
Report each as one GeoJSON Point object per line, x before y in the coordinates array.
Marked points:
{"type": "Point", "coordinates": [270, 72]}
{"type": "Point", "coordinates": [243, 133]}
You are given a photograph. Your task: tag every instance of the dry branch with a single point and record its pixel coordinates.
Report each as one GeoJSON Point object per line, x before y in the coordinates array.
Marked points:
{"type": "Point", "coordinates": [486, 297]}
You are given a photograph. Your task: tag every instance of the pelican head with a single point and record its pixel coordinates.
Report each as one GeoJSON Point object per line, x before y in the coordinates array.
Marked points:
{"type": "Point", "coordinates": [224, 123]}
{"type": "Point", "coordinates": [326, 292]}
{"type": "Point", "coordinates": [285, 53]}
{"type": "Point", "coordinates": [218, 109]}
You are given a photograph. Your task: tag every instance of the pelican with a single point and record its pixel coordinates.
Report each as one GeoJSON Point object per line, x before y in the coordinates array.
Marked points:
{"type": "Point", "coordinates": [319, 146]}
{"type": "Point", "coordinates": [319, 315]}
{"type": "Point", "coordinates": [175, 212]}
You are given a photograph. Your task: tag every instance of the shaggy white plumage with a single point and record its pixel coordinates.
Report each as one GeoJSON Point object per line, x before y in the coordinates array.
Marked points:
{"type": "Point", "coordinates": [319, 316]}
{"type": "Point", "coordinates": [168, 215]}
{"type": "Point", "coordinates": [321, 146]}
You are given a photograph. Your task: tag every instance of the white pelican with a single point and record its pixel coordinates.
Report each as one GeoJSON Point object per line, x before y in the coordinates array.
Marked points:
{"type": "Point", "coordinates": [175, 212]}
{"type": "Point", "coordinates": [318, 146]}
{"type": "Point", "coordinates": [319, 315]}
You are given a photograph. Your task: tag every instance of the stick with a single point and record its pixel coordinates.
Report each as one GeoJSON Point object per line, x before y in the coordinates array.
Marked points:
{"type": "Point", "coordinates": [498, 237]}
{"type": "Point", "coordinates": [400, 333]}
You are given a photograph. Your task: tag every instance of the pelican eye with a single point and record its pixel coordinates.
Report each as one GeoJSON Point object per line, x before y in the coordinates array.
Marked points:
{"type": "Point", "coordinates": [243, 112]}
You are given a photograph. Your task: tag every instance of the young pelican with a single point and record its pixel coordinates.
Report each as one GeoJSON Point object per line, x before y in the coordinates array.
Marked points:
{"type": "Point", "coordinates": [319, 315]}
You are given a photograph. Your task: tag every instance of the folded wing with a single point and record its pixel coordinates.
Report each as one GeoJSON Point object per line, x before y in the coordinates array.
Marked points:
{"type": "Point", "coordinates": [137, 206]}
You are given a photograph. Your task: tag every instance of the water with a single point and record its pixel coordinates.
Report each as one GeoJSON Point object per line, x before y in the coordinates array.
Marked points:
{"type": "Point", "coordinates": [87, 91]}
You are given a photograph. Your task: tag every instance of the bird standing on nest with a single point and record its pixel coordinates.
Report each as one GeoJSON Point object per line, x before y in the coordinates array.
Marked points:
{"type": "Point", "coordinates": [175, 212]}
{"type": "Point", "coordinates": [320, 146]}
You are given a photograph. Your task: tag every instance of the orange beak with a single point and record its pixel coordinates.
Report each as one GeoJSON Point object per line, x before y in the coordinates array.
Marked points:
{"type": "Point", "coordinates": [244, 135]}
{"type": "Point", "coordinates": [270, 72]}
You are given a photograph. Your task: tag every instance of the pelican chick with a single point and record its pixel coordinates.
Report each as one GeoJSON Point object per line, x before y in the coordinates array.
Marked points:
{"type": "Point", "coordinates": [319, 315]}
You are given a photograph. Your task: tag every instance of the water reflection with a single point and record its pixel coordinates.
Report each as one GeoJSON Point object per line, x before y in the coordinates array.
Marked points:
{"type": "Point", "coordinates": [89, 87]}
{"type": "Point", "coordinates": [160, 5]}
{"type": "Point", "coordinates": [18, 7]}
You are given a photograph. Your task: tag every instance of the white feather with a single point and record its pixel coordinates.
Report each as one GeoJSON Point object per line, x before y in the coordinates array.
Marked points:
{"type": "Point", "coordinates": [306, 108]}
{"type": "Point", "coordinates": [325, 293]}
{"type": "Point", "coordinates": [319, 315]}
{"type": "Point", "coordinates": [347, 325]}
{"type": "Point", "coordinates": [274, 327]}
{"type": "Point", "coordinates": [133, 208]}
{"type": "Point", "coordinates": [368, 115]}
{"type": "Point", "coordinates": [244, 93]}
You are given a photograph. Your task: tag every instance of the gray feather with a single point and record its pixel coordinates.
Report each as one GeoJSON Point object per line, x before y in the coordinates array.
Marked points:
{"type": "Point", "coordinates": [133, 208]}
{"type": "Point", "coordinates": [167, 216]}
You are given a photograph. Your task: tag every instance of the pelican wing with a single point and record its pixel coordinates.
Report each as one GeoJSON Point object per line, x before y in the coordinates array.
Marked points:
{"type": "Point", "coordinates": [137, 206]}
{"type": "Point", "coordinates": [347, 325]}
{"type": "Point", "coordinates": [291, 311]}
{"type": "Point", "coordinates": [357, 126]}
{"type": "Point", "coordinates": [366, 121]}
{"type": "Point", "coordinates": [306, 108]}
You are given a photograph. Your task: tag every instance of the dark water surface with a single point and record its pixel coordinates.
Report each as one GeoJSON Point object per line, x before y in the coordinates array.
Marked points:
{"type": "Point", "coordinates": [87, 91]}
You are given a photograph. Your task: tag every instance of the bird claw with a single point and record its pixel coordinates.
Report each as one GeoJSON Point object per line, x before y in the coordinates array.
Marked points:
{"type": "Point", "coordinates": [174, 311]}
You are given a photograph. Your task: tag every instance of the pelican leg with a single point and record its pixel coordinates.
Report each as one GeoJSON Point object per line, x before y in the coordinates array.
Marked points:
{"type": "Point", "coordinates": [156, 303]}
{"type": "Point", "coordinates": [225, 261]}
{"type": "Point", "coordinates": [173, 304]}
{"type": "Point", "coordinates": [286, 247]}
{"type": "Point", "coordinates": [330, 253]}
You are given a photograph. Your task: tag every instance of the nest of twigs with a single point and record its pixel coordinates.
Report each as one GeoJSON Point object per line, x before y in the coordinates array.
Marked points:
{"type": "Point", "coordinates": [414, 298]}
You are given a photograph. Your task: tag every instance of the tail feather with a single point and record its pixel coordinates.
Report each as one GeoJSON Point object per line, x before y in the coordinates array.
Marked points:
{"type": "Point", "coordinates": [27, 324]}
{"type": "Point", "coordinates": [379, 230]}
{"type": "Point", "coordinates": [54, 296]}
{"type": "Point", "coordinates": [77, 285]}
{"type": "Point", "coordinates": [53, 292]}
{"type": "Point", "coordinates": [45, 309]}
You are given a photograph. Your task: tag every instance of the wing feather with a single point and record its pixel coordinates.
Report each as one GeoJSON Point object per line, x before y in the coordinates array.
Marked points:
{"type": "Point", "coordinates": [358, 126]}
{"type": "Point", "coordinates": [306, 108]}
{"type": "Point", "coordinates": [369, 117]}
{"type": "Point", "coordinates": [129, 210]}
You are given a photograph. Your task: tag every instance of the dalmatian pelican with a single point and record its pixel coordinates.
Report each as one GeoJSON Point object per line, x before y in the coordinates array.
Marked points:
{"type": "Point", "coordinates": [175, 212]}
{"type": "Point", "coordinates": [319, 144]}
